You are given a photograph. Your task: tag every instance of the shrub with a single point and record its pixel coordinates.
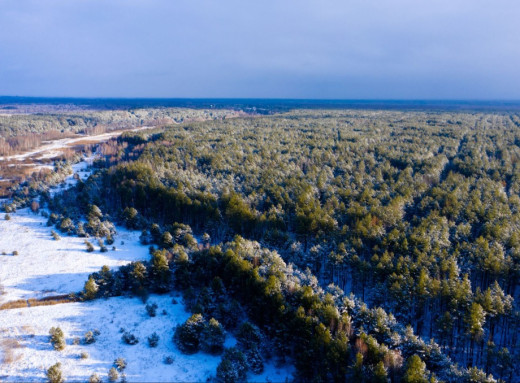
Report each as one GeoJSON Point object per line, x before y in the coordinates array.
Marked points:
{"type": "Point", "coordinates": [233, 367]}
{"type": "Point", "coordinates": [168, 360]}
{"type": "Point", "coordinates": [151, 309]}
{"type": "Point", "coordinates": [90, 247]}
{"type": "Point", "coordinates": [254, 360]}
{"type": "Point", "coordinates": [94, 378]}
{"type": "Point", "coordinates": [213, 337]}
{"type": "Point", "coordinates": [76, 341]}
{"type": "Point", "coordinates": [109, 240]}
{"type": "Point", "coordinates": [67, 226]}
{"type": "Point", "coordinates": [187, 335]}
{"type": "Point", "coordinates": [120, 364]}
{"type": "Point", "coordinates": [102, 246]}
{"type": "Point", "coordinates": [7, 217]}
{"type": "Point", "coordinates": [129, 339]}
{"type": "Point", "coordinates": [80, 231]}
{"type": "Point", "coordinates": [248, 336]}
{"type": "Point", "coordinates": [153, 340]}
{"type": "Point", "coordinates": [89, 338]}
{"type": "Point", "coordinates": [57, 338]}
{"type": "Point", "coordinates": [113, 375]}
{"type": "Point", "coordinates": [55, 235]}
{"type": "Point", "coordinates": [84, 355]}
{"type": "Point", "coordinates": [15, 253]}
{"type": "Point", "coordinates": [54, 374]}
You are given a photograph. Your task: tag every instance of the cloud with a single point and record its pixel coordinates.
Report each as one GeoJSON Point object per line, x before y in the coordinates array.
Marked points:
{"type": "Point", "coordinates": [237, 48]}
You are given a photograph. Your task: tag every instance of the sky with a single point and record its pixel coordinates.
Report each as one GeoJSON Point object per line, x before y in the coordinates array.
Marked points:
{"type": "Point", "coordinates": [326, 49]}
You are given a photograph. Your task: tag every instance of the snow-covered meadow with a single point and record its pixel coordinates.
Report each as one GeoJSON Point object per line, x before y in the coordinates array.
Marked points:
{"type": "Point", "coordinates": [47, 267]}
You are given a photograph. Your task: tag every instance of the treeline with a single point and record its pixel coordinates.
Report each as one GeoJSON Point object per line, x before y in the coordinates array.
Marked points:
{"type": "Point", "coordinates": [19, 133]}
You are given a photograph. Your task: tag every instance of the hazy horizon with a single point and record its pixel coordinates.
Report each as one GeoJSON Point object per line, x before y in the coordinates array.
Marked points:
{"type": "Point", "coordinates": [332, 50]}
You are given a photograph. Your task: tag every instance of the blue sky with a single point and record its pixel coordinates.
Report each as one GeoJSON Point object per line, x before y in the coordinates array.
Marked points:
{"type": "Point", "coordinates": [347, 49]}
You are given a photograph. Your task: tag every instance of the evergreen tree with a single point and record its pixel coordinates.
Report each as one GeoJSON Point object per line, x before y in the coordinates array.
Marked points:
{"type": "Point", "coordinates": [213, 337]}
{"type": "Point", "coordinates": [415, 370]}
{"type": "Point", "coordinates": [90, 289]}
{"type": "Point", "coordinates": [54, 374]}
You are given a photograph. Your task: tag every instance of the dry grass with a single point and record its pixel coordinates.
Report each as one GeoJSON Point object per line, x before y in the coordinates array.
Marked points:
{"type": "Point", "coordinates": [14, 304]}
{"type": "Point", "coordinates": [47, 301]}
{"type": "Point", "coordinates": [29, 330]}
{"type": "Point", "coordinates": [8, 347]}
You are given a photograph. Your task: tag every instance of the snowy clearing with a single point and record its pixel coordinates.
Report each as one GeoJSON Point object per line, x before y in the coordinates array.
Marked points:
{"type": "Point", "coordinates": [45, 266]}
{"type": "Point", "coordinates": [26, 351]}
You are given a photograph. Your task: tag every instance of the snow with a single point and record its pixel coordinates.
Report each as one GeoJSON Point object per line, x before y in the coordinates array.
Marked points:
{"type": "Point", "coordinates": [34, 354]}
{"type": "Point", "coordinates": [46, 267]}
{"type": "Point", "coordinates": [54, 148]}
{"type": "Point", "coordinates": [31, 327]}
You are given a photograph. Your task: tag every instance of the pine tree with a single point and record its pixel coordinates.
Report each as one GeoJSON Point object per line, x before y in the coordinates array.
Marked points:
{"type": "Point", "coordinates": [90, 289]}
{"type": "Point", "coordinates": [380, 375]}
{"type": "Point", "coordinates": [160, 270]}
{"type": "Point", "coordinates": [57, 338]}
{"type": "Point", "coordinates": [213, 337]}
{"type": "Point", "coordinates": [187, 336]}
{"type": "Point", "coordinates": [415, 370]}
{"type": "Point", "coordinates": [233, 367]}
{"type": "Point", "coordinates": [113, 375]}
{"type": "Point", "coordinates": [54, 374]}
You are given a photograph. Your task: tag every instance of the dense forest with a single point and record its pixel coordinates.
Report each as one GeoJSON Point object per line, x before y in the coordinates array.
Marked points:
{"type": "Point", "coordinates": [364, 245]}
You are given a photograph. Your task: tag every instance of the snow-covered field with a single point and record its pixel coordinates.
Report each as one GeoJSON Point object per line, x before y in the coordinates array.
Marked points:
{"type": "Point", "coordinates": [27, 353]}
{"type": "Point", "coordinates": [46, 267]}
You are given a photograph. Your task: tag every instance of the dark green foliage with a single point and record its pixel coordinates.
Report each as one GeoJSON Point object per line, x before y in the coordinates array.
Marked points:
{"type": "Point", "coordinates": [233, 367]}
{"type": "Point", "coordinates": [153, 340]}
{"type": "Point", "coordinates": [91, 289]}
{"type": "Point", "coordinates": [151, 309]}
{"type": "Point", "coordinates": [212, 337]}
{"type": "Point", "coordinates": [54, 374]}
{"type": "Point", "coordinates": [415, 371]}
{"type": "Point", "coordinates": [187, 336]}
{"type": "Point", "coordinates": [89, 338]}
{"type": "Point", "coordinates": [160, 272]}
{"type": "Point", "coordinates": [90, 247]}
{"type": "Point", "coordinates": [129, 339]}
{"type": "Point", "coordinates": [130, 218]}
{"type": "Point", "coordinates": [57, 338]}
{"type": "Point", "coordinates": [113, 375]}
{"type": "Point", "coordinates": [109, 240]}
{"type": "Point", "coordinates": [120, 364]}
{"type": "Point", "coordinates": [67, 226]}
{"type": "Point", "coordinates": [248, 336]}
